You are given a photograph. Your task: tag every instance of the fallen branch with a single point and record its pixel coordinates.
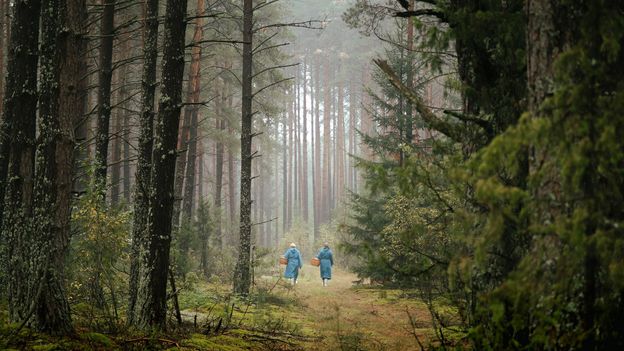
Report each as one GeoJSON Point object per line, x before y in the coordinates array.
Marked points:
{"type": "Point", "coordinates": [167, 341]}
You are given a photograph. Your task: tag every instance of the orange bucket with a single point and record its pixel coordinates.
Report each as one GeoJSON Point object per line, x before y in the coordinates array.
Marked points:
{"type": "Point", "coordinates": [283, 260]}
{"type": "Point", "coordinates": [315, 262]}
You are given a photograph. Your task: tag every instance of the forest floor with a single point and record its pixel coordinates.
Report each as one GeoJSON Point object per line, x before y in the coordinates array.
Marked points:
{"type": "Point", "coordinates": [346, 315]}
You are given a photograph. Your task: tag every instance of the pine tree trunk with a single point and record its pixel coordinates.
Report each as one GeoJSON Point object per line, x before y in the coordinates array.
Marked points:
{"type": "Point", "coordinates": [144, 164]}
{"type": "Point", "coordinates": [231, 186]}
{"type": "Point", "coordinates": [367, 120]}
{"type": "Point", "coordinates": [3, 39]}
{"type": "Point", "coordinates": [152, 294]}
{"type": "Point", "coordinates": [18, 158]}
{"type": "Point", "coordinates": [220, 126]}
{"type": "Point", "coordinates": [326, 183]}
{"type": "Point", "coordinates": [284, 176]}
{"type": "Point", "coordinates": [242, 280]}
{"type": "Point", "coordinates": [115, 167]}
{"type": "Point", "coordinates": [291, 159]}
{"type": "Point", "coordinates": [17, 128]}
{"type": "Point", "coordinates": [304, 156]}
{"type": "Point", "coordinates": [340, 148]}
{"type": "Point", "coordinates": [195, 90]}
{"type": "Point", "coordinates": [53, 179]}
{"type": "Point", "coordinates": [318, 176]}
{"type": "Point", "coordinates": [351, 171]}
{"type": "Point", "coordinates": [107, 33]}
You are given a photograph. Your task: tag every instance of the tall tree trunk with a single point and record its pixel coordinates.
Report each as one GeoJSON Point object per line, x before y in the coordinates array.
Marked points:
{"type": "Point", "coordinates": [58, 107]}
{"type": "Point", "coordinates": [116, 139]}
{"type": "Point", "coordinates": [195, 90]}
{"type": "Point", "coordinates": [318, 176]}
{"type": "Point", "coordinates": [219, 182]}
{"type": "Point", "coordinates": [126, 164]}
{"type": "Point", "coordinates": [152, 294]}
{"type": "Point", "coordinates": [17, 128]}
{"type": "Point", "coordinates": [304, 155]}
{"type": "Point", "coordinates": [284, 176]}
{"type": "Point", "coordinates": [351, 171]}
{"type": "Point", "coordinates": [297, 135]}
{"type": "Point", "coordinates": [326, 183]}
{"type": "Point", "coordinates": [340, 149]}
{"type": "Point", "coordinates": [18, 157]}
{"type": "Point", "coordinates": [107, 33]}
{"type": "Point", "coordinates": [242, 280]}
{"type": "Point", "coordinates": [291, 161]}
{"type": "Point", "coordinates": [3, 39]}
{"type": "Point", "coordinates": [220, 125]}
{"type": "Point", "coordinates": [366, 124]}
{"type": "Point", "coordinates": [144, 164]}
{"type": "Point", "coordinates": [231, 185]}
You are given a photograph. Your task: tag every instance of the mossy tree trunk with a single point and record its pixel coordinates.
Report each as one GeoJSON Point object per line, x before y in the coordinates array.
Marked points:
{"type": "Point", "coordinates": [18, 156]}
{"type": "Point", "coordinates": [38, 204]}
{"type": "Point", "coordinates": [143, 173]}
{"type": "Point", "coordinates": [59, 103]}
{"type": "Point", "coordinates": [151, 297]}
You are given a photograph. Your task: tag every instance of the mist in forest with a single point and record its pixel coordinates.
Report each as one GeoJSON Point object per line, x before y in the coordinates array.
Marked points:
{"type": "Point", "coordinates": [306, 175]}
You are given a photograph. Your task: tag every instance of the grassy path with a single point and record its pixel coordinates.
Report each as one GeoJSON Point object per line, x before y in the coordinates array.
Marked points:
{"type": "Point", "coordinates": [347, 317]}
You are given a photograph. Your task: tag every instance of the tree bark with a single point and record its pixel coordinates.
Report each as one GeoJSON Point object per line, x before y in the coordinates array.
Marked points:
{"type": "Point", "coordinates": [58, 106]}
{"type": "Point", "coordinates": [195, 90]}
{"type": "Point", "coordinates": [304, 154]}
{"type": "Point", "coordinates": [152, 296]}
{"type": "Point", "coordinates": [351, 171]}
{"type": "Point", "coordinates": [284, 176]}
{"type": "Point", "coordinates": [3, 39]}
{"type": "Point", "coordinates": [318, 177]}
{"type": "Point", "coordinates": [18, 157]}
{"type": "Point", "coordinates": [242, 280]}
{"type": "Point", "coordinates": [231, 185]}
{"type": "Point", "coordinates": [144, 165]}
{"type": "Point", "coordinates": [326, 184]}
{"type": "Point", "coordinates": [107, 33]}
{"type": "Point", "coordinates": [116, 140]}
{"type": "Point", "coordinates": [340, 148]}
{"type": "Point", "coordinates": [220, 125]}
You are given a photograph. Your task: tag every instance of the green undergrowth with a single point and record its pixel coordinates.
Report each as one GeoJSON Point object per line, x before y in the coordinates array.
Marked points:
{"type": "Point", "coordinates": [213, 319]}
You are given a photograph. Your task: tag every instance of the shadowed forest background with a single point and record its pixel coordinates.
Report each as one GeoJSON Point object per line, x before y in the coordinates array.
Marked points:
{"type": "Point", "coordinates": [463, 158]}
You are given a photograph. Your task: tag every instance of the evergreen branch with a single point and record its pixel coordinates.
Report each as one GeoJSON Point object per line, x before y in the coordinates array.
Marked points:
{"type": "Point", "coordinates": [423, 12]}
{"type": "Point", "coordinates": [487, 126]}
{"type": "Point", "coordinates": [429, 117]}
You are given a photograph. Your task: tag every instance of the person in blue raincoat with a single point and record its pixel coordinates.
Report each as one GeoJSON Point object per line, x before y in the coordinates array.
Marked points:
{"type": "Point", "coordinates": [327, 261]}
{"type": "Point", "coordinates": [294, 263]}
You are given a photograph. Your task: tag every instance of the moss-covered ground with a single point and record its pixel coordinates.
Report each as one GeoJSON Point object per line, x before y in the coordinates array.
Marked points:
{"type": "Point", "coordinates": [308, 316]}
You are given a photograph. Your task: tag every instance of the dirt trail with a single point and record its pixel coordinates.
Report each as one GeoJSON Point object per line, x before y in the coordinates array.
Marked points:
{"type": "Point", "coordinates": [349, 317]}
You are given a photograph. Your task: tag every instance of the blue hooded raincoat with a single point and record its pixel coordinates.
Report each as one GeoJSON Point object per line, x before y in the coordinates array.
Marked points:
{"type": "Point", "coordinates": [294, 263]}
{"type": "Point", "coordinates": [327, 261]}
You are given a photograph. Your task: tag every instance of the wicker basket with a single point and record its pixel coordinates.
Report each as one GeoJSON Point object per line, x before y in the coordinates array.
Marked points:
{"type": "Point", "coordinates": [315, 262]}
{"type": "Point", "coordinates": [283, 260]}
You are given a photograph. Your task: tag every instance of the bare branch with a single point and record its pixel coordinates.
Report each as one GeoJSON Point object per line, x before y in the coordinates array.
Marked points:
{"type": "Point", "coordinates": [310, 24]}
{"type": "Point", "coordinates": [273, 68]}
{"type": "Point", "coordinates": [272, 84]}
